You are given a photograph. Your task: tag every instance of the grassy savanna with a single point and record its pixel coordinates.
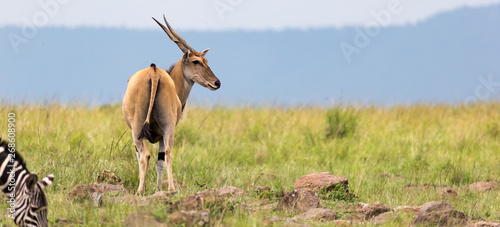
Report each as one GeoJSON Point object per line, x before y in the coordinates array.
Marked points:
{"type": "Point", "coordinates": [383, 151]}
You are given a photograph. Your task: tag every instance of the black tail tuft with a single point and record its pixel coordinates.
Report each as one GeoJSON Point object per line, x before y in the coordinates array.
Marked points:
{"type": "Point", "coordinates": [145, 132]}
{"type": "Point", "coordinates": [154, 66]}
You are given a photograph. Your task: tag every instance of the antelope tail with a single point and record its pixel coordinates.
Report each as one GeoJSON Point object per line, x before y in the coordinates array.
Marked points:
{"type": "Point", "coordinates": [154, 83]}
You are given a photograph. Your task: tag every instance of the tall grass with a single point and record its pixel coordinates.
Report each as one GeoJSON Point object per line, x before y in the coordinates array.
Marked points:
{"type": "Point", "coordinates": [341, 122]}
{"type": "Point", "coordinates": [381, 151]}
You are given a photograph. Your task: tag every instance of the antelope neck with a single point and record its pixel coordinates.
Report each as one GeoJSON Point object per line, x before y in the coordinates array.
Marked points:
{"type": "Point", "coordinates": [182, 84]}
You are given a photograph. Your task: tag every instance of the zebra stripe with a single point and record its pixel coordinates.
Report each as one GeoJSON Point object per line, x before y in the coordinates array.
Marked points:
{"type": "Point", "coordinates": [24, 191]}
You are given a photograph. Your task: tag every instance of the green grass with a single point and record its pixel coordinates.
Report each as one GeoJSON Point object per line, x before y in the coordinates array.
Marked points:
{"type": "Point", "coordinates": [248, 147]}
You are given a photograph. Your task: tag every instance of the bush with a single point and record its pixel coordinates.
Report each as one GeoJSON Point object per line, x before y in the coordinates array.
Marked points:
{"type": "Point", "coordinates": [339, 193]}
{"type": "Point", "coordinates": [341, 122]}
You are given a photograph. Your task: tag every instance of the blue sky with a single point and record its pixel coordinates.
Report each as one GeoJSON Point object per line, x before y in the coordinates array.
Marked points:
{"type": "Point", "coordinates": [277, 52]}
{"type": "Point", "coordinates": [217, 15]}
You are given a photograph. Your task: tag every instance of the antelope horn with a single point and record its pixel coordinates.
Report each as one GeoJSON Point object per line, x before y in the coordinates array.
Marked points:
{"type": "Point", "coordinates": [175, 37]}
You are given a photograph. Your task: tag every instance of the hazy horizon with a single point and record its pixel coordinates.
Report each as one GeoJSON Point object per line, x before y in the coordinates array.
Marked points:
{"type": "Point", "coordinates": [449, 57]}
{"type": "Point", "coordinates": [225, 15]}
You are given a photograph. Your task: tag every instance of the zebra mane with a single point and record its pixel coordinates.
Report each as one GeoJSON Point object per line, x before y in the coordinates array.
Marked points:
{"type": "Point", "coordinates": [17, 156]}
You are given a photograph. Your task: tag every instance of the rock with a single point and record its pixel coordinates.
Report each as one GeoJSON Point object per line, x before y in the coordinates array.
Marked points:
{"type": "Point", "coordinates": [177, 184]}
{"type": "Point", "coordinates": [268, 206]}
{"type": "Point", "coordinates": [381, 219]}
{"type": "Point", "coordinates": [440, 213]}
{"type": "Point", "coordinates": [407, 209]}
{"type": "Point", "coordinates": [442, 218]}
{"type": "Point", "coordinates": [274, 219]}
{"type": "Point", "coordinates": [197, 201]}
{"type": "Point", "coordinates": [301, 200]}
{"type": "Point", "coordinates": [484, 186]}
{"type": "Point", "coordinates": [373, 210]}
{"type": "Point", "coordinates": [449, 193]}
{"type": "Point", "coordinates": [109, 178]}
{"type": "Point", "coordinates": [140, 202]}
{"type": "Point", "coordinates": [87, 191]}
{"type": "Point", "coordinates": [229, 190]}
{"type": "Point", "coordinates": [96, 199]}
{"type": "Point", "coordinates": [123, 199]}
{"type": "Point", "coordinates": [200, 199]}
{"type": "Point", "coordinates": [437, 188]}
{"type": "Point", "coordinates": [141, 219]}
{"type": "Point", "coordinates": [190, 218]}
{"type": "Point", "coordinates": [261, 189]}
{"type": "Point", "coordinates": [161, 196]}
{"type": "Point", "coordinates": [341, 223]}
{"type": "Point", "coordinates": [319, 181]}
{"type": "Point", "coordinates": [258, 206]}
{"type": "Point", "coordinates": [433, 206]}
{"type": "Point", "coordinates": [295, 224]}
{"type": "Point", "coordinates": [486, 224]}
{"type": "Point", "coordinates": [318, 214]}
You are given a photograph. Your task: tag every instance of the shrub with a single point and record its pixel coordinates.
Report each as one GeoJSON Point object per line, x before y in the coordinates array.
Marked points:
{"type": "Point", "coordinates": [341, 122]}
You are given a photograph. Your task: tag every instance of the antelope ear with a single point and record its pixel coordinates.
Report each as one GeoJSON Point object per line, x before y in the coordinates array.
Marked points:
{"type": "Point", "coordinates": [47, 181]}
{"type": "Point", "coordinates": [204, 52]}
{"type": "Point", "coordinates": [186, 56]}
{"type": "Point", "coordinates": [31, 182]}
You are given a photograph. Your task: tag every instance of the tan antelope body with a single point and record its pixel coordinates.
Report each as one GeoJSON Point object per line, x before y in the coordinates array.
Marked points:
{"type": "Point", "coordinates": [153, 104]}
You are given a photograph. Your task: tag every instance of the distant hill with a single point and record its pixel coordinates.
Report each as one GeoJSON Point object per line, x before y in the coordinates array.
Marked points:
{"type": "Point", "coordinates": [448, 58]}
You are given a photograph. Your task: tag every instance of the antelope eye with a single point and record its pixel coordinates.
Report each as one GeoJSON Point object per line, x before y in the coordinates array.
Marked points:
{"type": "Point", "coordinates": [196, 62]}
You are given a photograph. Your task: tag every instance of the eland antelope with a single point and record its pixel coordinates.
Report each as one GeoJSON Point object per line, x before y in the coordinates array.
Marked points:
{"type": "Point", "coordinates": [154, 101]}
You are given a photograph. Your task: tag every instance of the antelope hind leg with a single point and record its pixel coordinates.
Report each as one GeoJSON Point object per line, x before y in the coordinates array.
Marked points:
{"type": "Point", "coordinates": [143, 156]}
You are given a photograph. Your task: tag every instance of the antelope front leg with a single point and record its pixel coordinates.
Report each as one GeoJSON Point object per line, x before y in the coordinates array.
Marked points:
{"type": "Point", "coordinates": [169, 139]}
{"type": "Point", "coordinates": [171, 187]}
{"type": "Point", "coordinates": [160, 165]}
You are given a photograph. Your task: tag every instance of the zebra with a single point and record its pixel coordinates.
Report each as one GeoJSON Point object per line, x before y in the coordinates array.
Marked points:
{"type": "Point", "coordinates": [28, 205]}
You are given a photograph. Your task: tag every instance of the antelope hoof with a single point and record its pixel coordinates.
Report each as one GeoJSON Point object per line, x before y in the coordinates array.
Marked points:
{"type": "Point", "coordinates": [139, 192]}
